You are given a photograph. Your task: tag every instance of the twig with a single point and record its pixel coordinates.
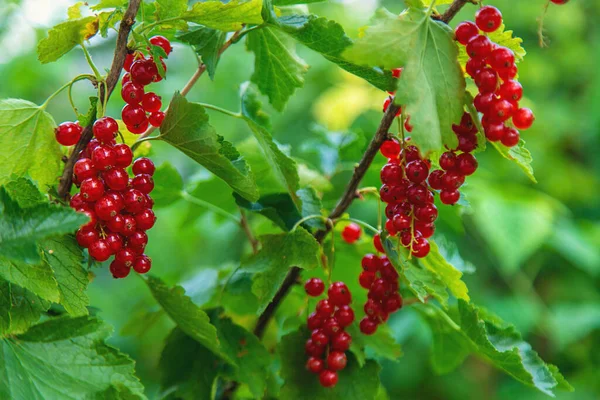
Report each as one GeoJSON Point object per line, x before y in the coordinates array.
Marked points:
{"type": "Point", "coordinates": [127, 22]}
{"type": "Point", "coordinates": [454, 8]}
{"type": "Point", "coordinates": [246, 227]}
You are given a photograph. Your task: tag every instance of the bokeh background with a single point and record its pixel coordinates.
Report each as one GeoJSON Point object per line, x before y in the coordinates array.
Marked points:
{"type": "Point", "coordinates": [532, 251]}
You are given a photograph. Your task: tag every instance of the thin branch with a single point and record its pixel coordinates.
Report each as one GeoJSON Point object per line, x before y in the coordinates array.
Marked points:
{"type": "Point", "coordinates": [454, 8]}
{"type": "Point", "coordinates": [127, 22]}
{"type": "Point", "coordinates": [246, 227]}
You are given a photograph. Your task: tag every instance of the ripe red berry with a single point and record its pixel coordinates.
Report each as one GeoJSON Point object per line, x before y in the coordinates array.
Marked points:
{"type": "Point", "coordinates": [559, 2]}
{"type": "Point", "coordinates": [479, 46]}
{"type": "Point", "coordinates": [420, 247]}
{"type": "Point", "coordinates": [105, 129]}
{"type": "Point", "coordinates": [483, 101]}
{"type": "Point", "coordinates": [488, 18]}
{"type": "Point", "coordinates": [366, 279]}
{"type": "Point", "coordinates": [417, 171]}
{"type": "Point", "coordinates": [467, 143]}
{"type": "Point", "coordinates": [465, 31]}
{"type": "Point", "coordinates": [425, 229]}
{"type": "Point", "coordinates": [401, 222]}
{"type": "Point", "coordinates": [511, 137]}
{"type": "Point", "coordinates": [106, 208]}
{"type": "Point", "coordinates": [370, 262]}
{"type": "Point", "coordinates": [151, 102]}
{"type": "Point", "coordinates": [104, 157]}
{"type": "Point", "coordinates": [474, 65]}
{"type": "Point", "coordinates": [84, 169]}
{"type": "Point", "coordinates": [143, 72]}
{"type": "Point", "coordinates": [391, 174]}
{"type": "Point", "coordinates": [390, 148]}
{"type": "Point", "coordinates": [129, 59]}
{"type": "Point", "coordinates": [68, 133]}
{"type": "Point", "coordinates": [116, 179]}
{"type": "Point", "coordinates": [138, 128]}
{"type": "Point", "coordinates": [143, 165]}
{"type": "Point", "coordinates": [448, 161]}
{"type": "Point", "coordinates": [523, 118]}
{"type": "Point", "coordinates": [156, 118]}
{"type": "Point", "coordinates": [341, 341]}
{"type": "Point", "coordinates": [125, 256]}
{"type": "Point", "coordinates": [124, 155]}
{"type": "Point", "coordinates": [319, 337]}
{"type": "Point", "coordinates": [77, 201]}
{"type": "Point", "coordinates": [427, 213]}
{"type": "Point", "coordinates": [115, 242]}
{"type": "Point", "coordinates": [501, 110]}
{"type": "Point", "coordinates": [118, 270]}
{"type": "Point", "coordinates": [467, 164]}
{"type": "Point", "coordinates": [435, 179]}
{"type": "Point", "coordinates": [328, 378]}
{"type": "Point", "coordinates": [132, 93]}
{"type": "Point", "coordinates": [331, 327]}
{"type": "Point", "coordinates": [85, 237]}
{"type": "Point", "coordinates": [377, 243]}
{"type": "Point", "coordinates": [495, 132]}
{"type": "Point", "coordinates": [336, 360]}
{"type": "Point", "coordinates": [344, 316]}
{"type": "Point", "coordinates": [449, 197]}
{"type": "Point", "coordinates": [314, 321]}
{"type": "Point", "coordinates": [142, 264]}
{"type": "Point", "coordinates": [314, 287]}
{"type": "Point", "coordinates": [339, 294]}
{"type": "Point", "coordinates": [129, 225]}
{"type": "Point", "coordinates": [145, 219]}
{"type": "Point", "coordinates": [134, 201]}
{"type": "Point", "coordinates": [313, 349]}
{"type": "Point", "coordinates": [137, 241]}
{"type": "Point", "coordinates": [452, 181]}
{"type": "Point", "coordinates": [324, 308]}
{"type": "Point", "coordinates": [397, 72]}
{"type": "Point", "coordinates": [100, 250]}
{"type": "Point", "coordinates": [116, 224]}
{"type": "Point", "coordinates": [368, 326]}
{"type": "Point", "coordinates": [351, 233]}
{"type": "Point", "coordinates": [133, 115]}
{"type": "Point", "coordinates": [393, 303]}
{"type": "Point", "coordinates": [163, 42]}
{"type": "Point", "coordinates": [91, 189]}
{"type": "Point", "coordinates": [315, 365]}
{"type": "Point", "coordinates": [486, 80]}
{"type": "Point", "coordinates": [417, 195]}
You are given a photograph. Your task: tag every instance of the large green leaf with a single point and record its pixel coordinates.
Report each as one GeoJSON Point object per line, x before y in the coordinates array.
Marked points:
{"type": "Point", "coordinates": [64, 36]}
{"type": "Point", "coordinates": [169, 9]}
{"type": "Point", "coordinates": [168, 185]}
{"type": "Point", "coordinates": [381, 343]}
{"type": "Point", "coordinates": [64, 358]}
{"type": "Point", "coordinates": [278, 254]}
{"type": "Point", "coordinates": [518, 154]}
{"type": "Point", "coordinates": [188, 316]}
{"type": "Point", "coordinates": [278, 71]}
{"type": "Point", "coordinates": [448, 273]}
{"type": "Point", "coordinates": [355, 382]}
{"type": "Point", "coordinates": [28, 143]}
{"type": "Point", "coordinates": [207, 44]}
{"type": "Point", "coordinates": [19, 308]}
{"type": "Point", "coordinates": [228, 16]}
{"type": "Point", "coordinates": [432, 85]}
{"type": "Point", "coordinates": [22, 229]}
{"type": "Point", "coordinates": [281, 164]}
{"type": "Point", "coordinates": [186, 127]}
{"type": "Point", "coordinates": [470, 330]}
{"type": "Point", "coordinates": [328, 38]}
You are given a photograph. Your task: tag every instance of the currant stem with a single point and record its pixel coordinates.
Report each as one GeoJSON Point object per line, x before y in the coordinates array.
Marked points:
{"type": "Point", "coordinates": [308, 218]}
{"type": "Point", "coordinates": [357, 221]}
{"type": "Point", "coordinates": [90, 62]}
{"type": "Point", "coordinates": [221, 110]}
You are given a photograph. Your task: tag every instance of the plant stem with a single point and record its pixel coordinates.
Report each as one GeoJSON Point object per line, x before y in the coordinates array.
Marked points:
{"type": "Point", "coordinates": [246, 227]}
{"type": "Point", "coordinates": [221, 110]}
{"type": "Point", "coordinates": [90, 62]}
{"type": "Point", "coordinates": [308, 218]}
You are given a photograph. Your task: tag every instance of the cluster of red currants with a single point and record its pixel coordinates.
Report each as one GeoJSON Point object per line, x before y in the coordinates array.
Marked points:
{"type": "Point", "coordinates": [381, 279]}
{"type": "Point", "coordinates": [493, 69]}
{"type": "Point", "coordinates": [329, 341]}
{"type": "Point", "coordinates": [141, 72]}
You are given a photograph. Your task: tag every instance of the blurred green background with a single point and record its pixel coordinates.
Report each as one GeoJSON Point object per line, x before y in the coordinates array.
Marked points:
{"type": "Point", "coordinates": [533, 251]}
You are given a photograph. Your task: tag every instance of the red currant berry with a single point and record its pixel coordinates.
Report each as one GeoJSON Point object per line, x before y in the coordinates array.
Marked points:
{"type": "Point", "coordinates": [133, 115]}
{"type": "Point", "coordinates": [425, 229]}
{"type": "Point", "coordinates": [139, 128]}
{"type": "Point", "coordinates": [336, 360]}
{"type": "Point", "coordinates": [341, 341]}
{"type": "Point", "coordinates": [314, 287]}
{"type": "Point", "coordinates": [511, 137]}
{"type": "Point", "coordinates": [319, 337]}
{"type": "Point", "coordinates": [129, 59]}
{"type": "Point", "coordinates": [106, 208]}
{"type": "Point", "coordinates": [452, 181]}
{"type": "Point", "coordinates": [449, 197]}
{"type": "Point", "coordinates": [397, 72]}
{"type": "Point", "coordinates": [116, 196]}
{"type": "Point", "coordinates": [100, 250]}
{"type": "Point", "coordinates": [377, 243]}
{"type": "Point", "coordinates": [486, 80]}
{"type": "Point", "coordinates": [116, 179]}
{"type": "Point", "coordinates": [134, 201]}
{"type": "Point", "coordinates": [411, 153]}
{"type": "Point", "coordinates": [479, 46]}
{"type": "Point", "coordinates": [559, 2]}
{"type": "Point", "coordinates": [511, 91]}
{"type": "Point", "coordinates": [104, 157]}
{"type": "Point", "coordinates": [118, 270]}
{"type": "Point", "coordinates": [420, 247]}
{"type": "Point", "coordinates": [495, 132]}
{"type": "Point", "coordinates": [488, 18]}
{"type": "Point", "coordinates": [132, 93]}
{"type": "Point", "coordinates": [366, 279]}
{"type": "Point", "coordinates": [313, 349]}
{"type": "Point", "coordinates": [315, 365]}
{"type": "Point", "coordinates": [156, 118]}
{"type": "Point", "coordinates": [506, 74]}
{"type": "Point", "coordinates": [344, 316]}
{"type": "Point", "coordinates": [466, 31]}
{"type": "Point", "coordinates": [331, 327]}
{"type": "Point", "coordinates": [467, 164]}
{"type": "Point", "coordinates": [124, 155]}
{"type": "Point", "coordinates": [142, 264]}
{"type": "Point", "coordinates": [68, 133]}
{"type": "Point", "coordinates": [435, 179]}
{"type": "Point", "coordinates": [115, 242]}
{"type": "Point", "coordinates": [401, 222]}
{"type": "Point", "coordinates": [77, 201]}
{"type": "Point", "coordinates": [143, 165]}
{"type": "Point", "coordinates": [84, 169]}
{"type": "Point", "coordinates": [328, 378]}
{"type": "Point", "coordinates": [145, 219]}
{"type": "Point", "coordinates": [501, 110]}
{"type": "Point", "coordinates": [151, 102]}
{"type": "Point", "coordinates": [370, 262]}
{"type": "Point", "coordinates": [129, 226]}
{"type": "Point", "coordinates": [126, 79]}
{"type": "Point", "coordinates": [137, 241]}
{"type": "Point", "coordinates": [351, 233]}
{"type": "Point", "coordinates": [523, 118]}
{"type": "Point", "coordinates": [116, 224]}
{"type": "Point", "coordinates": [393, 303]}
{"type": "Point", "coordinates": [406, 238]}
{"type": "Point", "coordinates": [448, 161]}
{"type": "Point", "coordinates": [390, 148]}
{"type": "Point", "coordinates": [467, 143]}
{"type": "Point", "coordinates": [474, 65]}
{"type": "Point", "coordinates": [85, 237]}
{"type": "Point", "coordinates": [483, 102]}
{"type": "Point", "coordinates": [391, 174]}
{"type": "Point", "coordinates": [339, 294]}
{"type": "Point", "coordinates": [125, 256]}
{"type": "Point", "coordinates": [105, 129]}
{"type": "Point", "coordinates": [314, 321]}
{"type": "Point", "coordinates": [91, 189]}
{"type": "Point", "coordinates": [163, 42]}
{"type": "Point", "coordinates": [368, 326]}
{"type": "Point", "coordinates": [390, 228]}
{"type": "Point", "coordinates": [371, 307]}
{"type": "Point", "coordinates": [143, 72]}
{"type": "Point", "coordinates": [417, 195]}
{"type": "Point", "coordinates": [324, 308]}
{"type": "Point", "coordinates": [427, 213]}
{"type": "Point", "coordinates": [143, 183]}
{"type": "Point", "coordinates": [417, 171]}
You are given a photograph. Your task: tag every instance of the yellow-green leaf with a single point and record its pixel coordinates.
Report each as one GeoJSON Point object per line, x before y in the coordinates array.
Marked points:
{"type": "Point", "coordinates": [225, 16]}
{"type": "Point", "coordinates": [64, 36]}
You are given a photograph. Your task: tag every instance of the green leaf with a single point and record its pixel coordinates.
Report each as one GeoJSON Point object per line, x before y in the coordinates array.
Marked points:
{"type": "Point", "coordinates": [37, 278]}
{"type": "Point", "coordinates": [422, 282]}
{"type": "Point", "coordinates": [188, 369]}
{"type": "Point", "coordinates": [481, 139]}
{"type": "Point", "coordinates": [108, 20]}
{"type": "Point", "coordinates": [278, 254]}
{"type": "Point", "coordinates": [278, 71]}
{"type": "Point", "coordinates": [64, 36]}
{"type": "Point", "coordinates": [281, 164]}
{"type": "Point", "coordinates": [74, 11]}
{"type": "Point", "coordinates": [65, 257]}
{"type": "Point", "coordinates": [168, 185]}
{"type": "Point", "coordinates": [19, 308]}
{"type": "Point", "coordinates": [448, 274]}
{"type": "Point", "coordinates": [25, 192]}
{"type": "Point", "coordinates": [490, 338]}
{"type": "Point", "coordinates": [291, 2]}
{"type": "Point", "coordinates": [168, 9]}
{"type": "Point", "coordinates": [206, 43]}
{"type": "Point", "coordinates": [225, 16]}
{"type": "Point", "coordinates": [381, 343]}
{"type": "Point", "coordinates": [328, 38]}
{"type": "Point", "coordinates": [89, 117]}
{"type": "Point", "coordinates": [64, 358]}
{"type": "Point", "coordinates": [355, 383]}
{"type": "Point", "coordinates": [22, 229]}
{"type": "Point", "coordinates": [186, 127]}
{"type": "Point", "coordinates": [520, 155]}
{"type": "Point", "coordinates": [188, 316]}
{"type": "Point", "coordinates": [103, 4]}
{"type": "Point", "coordinates": [432, 85]}
{"type": "Point", "coordinates": [28, 143]}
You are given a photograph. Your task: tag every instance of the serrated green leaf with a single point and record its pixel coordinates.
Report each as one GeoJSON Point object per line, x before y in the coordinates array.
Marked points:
{"type": "Point", "coordinates": [281, 164]}
{"type": "Point", "coordinates": [64, 358]}
{"type": "Point", "coordinates": [278, 71]}
{"type": "Point", "coordinates": [28, 143]}
{"type": "Point", "coordinates": [328, 38]}
{"type": "Point", "coordinates": [108, 20]}
{"type": "Point", "coordinates": [188, 316]}
{"type": "Point", "coordinates": [355, 383]}
{"type": "Point", "coordinates": [168, 185]}
{"type": "Point", "coordinates": [432, 85]}
{"type": "Point", "coordinates": [37, 278]}
{"type": "Point", "coordinates": [225, 16]}
{"type": "Point", "coordinates": [65, 257]}
{"type": "Point", "coordinates": [25, 192]}
{"type": "Point", "coordinates": [74, 11]}
{"type": "Point", "coordinates": [447, 273]}
{"type": "Point", "coordinates": [278, 254]}
{"type": "Point", "coordinates": [187, 128]}
{"type": "Point", "coordinates": [19, 308]}
{"type": "Point", "coordinates": [170, 9]}
{"type": "Point", "coordinates": [499, 343]}
{"type": "Point", "coordinates": [206, 43]}
{"type": "Point", "coordinates": [103, 4]}
{"type": "Point", "coordinates": [188, 368]}
{"type": "Point", "coordinates": [89, 117]}
{"type": "Point", "coordinates": [520, 155]}
{"type": "Point", "coordinates": [64, 36]}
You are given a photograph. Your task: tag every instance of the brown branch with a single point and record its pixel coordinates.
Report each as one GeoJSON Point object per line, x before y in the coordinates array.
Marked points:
{"type": "Point", "coordinates": [66, 181]}
{"type": "Point", "coordinates": [351, 190]}
{"type": "Point", "coordinates": [248, 232]}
